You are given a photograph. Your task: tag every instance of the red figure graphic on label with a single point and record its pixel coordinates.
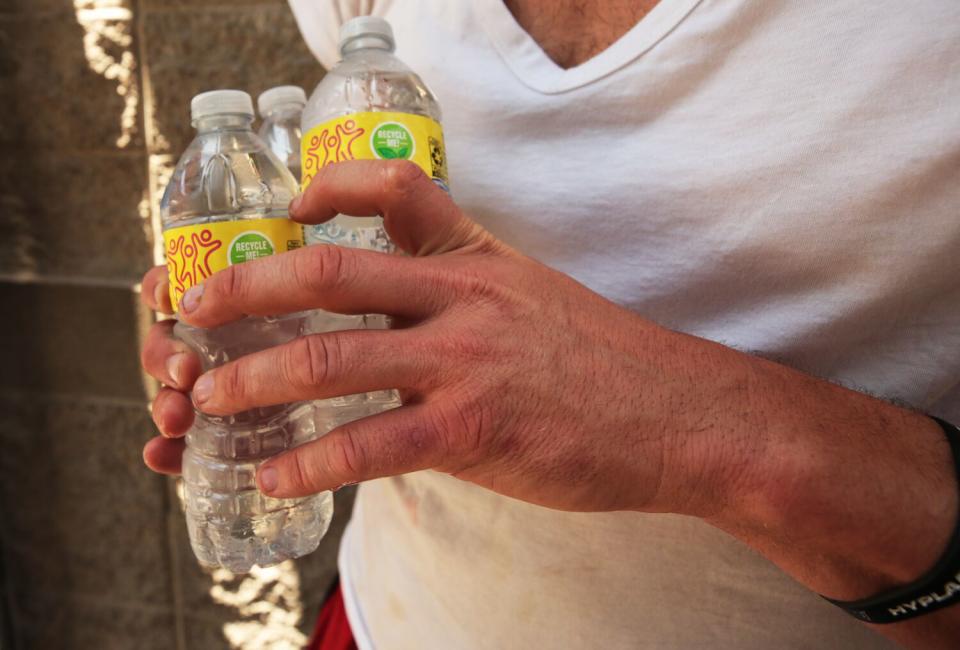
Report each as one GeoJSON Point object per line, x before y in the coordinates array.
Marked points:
{"type": "Point", "coordinates": [188, 261]}
{"type": "Point", "coordinates": [336, 144]}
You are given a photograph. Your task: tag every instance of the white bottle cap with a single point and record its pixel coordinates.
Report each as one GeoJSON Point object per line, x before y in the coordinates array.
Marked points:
{"type": "Point", "coordinates": [220, 102]}
{"type": "Point", "coordinates": [366, 26]}
{"type": "Point", "coordinates": [270, 99]}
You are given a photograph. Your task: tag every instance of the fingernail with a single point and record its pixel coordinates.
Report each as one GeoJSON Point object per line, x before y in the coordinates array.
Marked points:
{"type": "Point", "coordinates": [295, 205]}
{"type": "Point", "coordinates": [174, 363]}
{"type": "Point", "coordinates": [191, 299]}
{"type": "Point", "coordinates": [203, 389]}
{"type": "Point", "coordinates": [269, 479]}
{"type": "Point", "coordinates": [158, 291]}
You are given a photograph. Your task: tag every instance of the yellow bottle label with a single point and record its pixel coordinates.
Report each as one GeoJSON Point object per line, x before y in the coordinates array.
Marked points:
{"type": "Point", "coordinates": [376, 136]}
{"type": "Point", "coordinates": [194, 253]}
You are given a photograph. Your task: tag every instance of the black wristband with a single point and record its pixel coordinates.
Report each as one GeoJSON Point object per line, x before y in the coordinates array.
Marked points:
{"type": "Point", "coordinates": [938, 588]}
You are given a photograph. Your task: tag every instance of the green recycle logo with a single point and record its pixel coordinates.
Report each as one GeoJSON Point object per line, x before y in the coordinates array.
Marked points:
{"type": "Point", "coordinates": [392, 140]}
{"type": "Point", "coordinates": [249, 246]}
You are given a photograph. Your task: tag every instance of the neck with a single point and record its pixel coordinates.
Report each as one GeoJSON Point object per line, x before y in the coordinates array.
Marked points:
{"type": "Point", "coordinates": [572, 31]}
{"type": "Point", "coordinates": [222, 121]}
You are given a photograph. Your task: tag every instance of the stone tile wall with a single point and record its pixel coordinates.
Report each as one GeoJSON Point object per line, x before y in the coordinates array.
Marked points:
{"type": "Point", "coordinates": [94, 111]}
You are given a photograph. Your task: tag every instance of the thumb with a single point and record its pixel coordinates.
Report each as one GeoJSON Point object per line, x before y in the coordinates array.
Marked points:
{"type": "Point", "coordinates": [419, 216]}
{"type": "Point", "coordinates": [391, 443]}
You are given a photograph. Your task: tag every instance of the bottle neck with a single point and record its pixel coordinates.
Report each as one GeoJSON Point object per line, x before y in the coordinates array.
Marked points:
{"type": "Point", "coordinates": [283, 112]}
{"type": "Point", "coordinates": [222, 121]}
{"type": "Point", "coordinates": [366, 42]}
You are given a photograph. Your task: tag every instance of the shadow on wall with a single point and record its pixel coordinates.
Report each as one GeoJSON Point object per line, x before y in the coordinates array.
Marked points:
{"type": "Point", "coordinates": [94, 547]}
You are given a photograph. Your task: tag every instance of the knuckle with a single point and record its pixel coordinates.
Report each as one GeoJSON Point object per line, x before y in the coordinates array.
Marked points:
{"type": "Point", "coordinates": [347, 460]}
{"type": "Point", "coordinates": [478, 286]}
{"type": "Point", "coordinates": [471, 281]}
{"type": "Point", "coordinates": [466, 346]}
{"type": "Point", "coordinates": [401, 177]}
{"type": "Point", "coordinates": [231, 283]}
{"type": "Point", "coordinates": [481, 289]}
{"type": "Point", "coordinates": [321, 267]}
{"type": "Point", "coordinates": [320, 358]}
{"type": "Point", "coordinates": [301, 470]}
{"type": "Point", "coordinates": [231, 383]}
{"type": "Point", "coordinates": [293, 363]}
{"type": "Point", "coordinates": [462, 421]}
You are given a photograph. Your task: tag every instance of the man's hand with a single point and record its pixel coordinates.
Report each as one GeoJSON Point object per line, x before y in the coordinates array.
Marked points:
{"type": "Point", "coordinates": [521, 380]}
{"type": "Point", "coordinates": [514, 376]}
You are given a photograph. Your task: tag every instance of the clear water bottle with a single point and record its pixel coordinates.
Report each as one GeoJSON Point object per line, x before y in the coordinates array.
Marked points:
{"type": "Point", "coordinates": [281, 109]}
{"type": "Point", "coordinates": [369, 106]}
{"type": "Point", "coordinates": [226, 203]}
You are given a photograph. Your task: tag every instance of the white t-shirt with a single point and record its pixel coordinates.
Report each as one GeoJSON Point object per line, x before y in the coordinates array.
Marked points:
{"type": "Point", "coordinates": [780, 176]}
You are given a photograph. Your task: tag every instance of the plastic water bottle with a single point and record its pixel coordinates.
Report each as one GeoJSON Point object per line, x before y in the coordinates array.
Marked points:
{"type": "Point", "coordinates": [226, 203]}
{"type": "Point", "coordinates": [369, 106]}
{"type": "Point", "coordinates": [281, 109]}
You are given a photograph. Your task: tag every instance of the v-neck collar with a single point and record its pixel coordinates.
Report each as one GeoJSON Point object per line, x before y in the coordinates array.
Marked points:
{"type": "Point", "coordinates": [535, 69]}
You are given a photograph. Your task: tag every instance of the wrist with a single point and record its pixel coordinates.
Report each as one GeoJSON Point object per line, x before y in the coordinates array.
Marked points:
{"type": "Point", "coordinates": [715, 445]}
{"type": "Point", "coordinates": [866, 488]}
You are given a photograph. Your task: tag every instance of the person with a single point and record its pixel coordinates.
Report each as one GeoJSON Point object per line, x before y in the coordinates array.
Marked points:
{"type": "Point", "coordinates": [668, 356]}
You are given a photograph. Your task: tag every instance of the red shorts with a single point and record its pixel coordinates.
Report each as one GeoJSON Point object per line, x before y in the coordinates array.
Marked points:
{"type": "Point", "coordinates": [332, 631]}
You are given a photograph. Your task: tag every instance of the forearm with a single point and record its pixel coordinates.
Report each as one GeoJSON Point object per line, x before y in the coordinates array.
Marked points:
{"type": "Point", "coordinates": [849, 494]}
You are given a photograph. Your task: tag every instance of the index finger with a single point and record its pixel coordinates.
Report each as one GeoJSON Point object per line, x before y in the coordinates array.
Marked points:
{"type": "Point", "coordinates": [420, 218]}
{"type": "Point", "coordinates": [322, 276]}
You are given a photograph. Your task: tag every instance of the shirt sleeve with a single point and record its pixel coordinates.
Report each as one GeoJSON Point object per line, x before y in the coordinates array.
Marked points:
{"type": "Point", "coordinates": [319, 22]}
